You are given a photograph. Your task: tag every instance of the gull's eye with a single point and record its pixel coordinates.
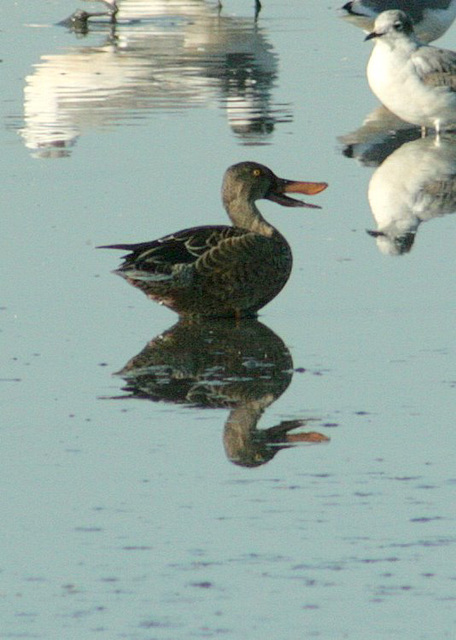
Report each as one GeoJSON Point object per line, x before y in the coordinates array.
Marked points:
{"type": "Point", "coordinates": [398, 26]}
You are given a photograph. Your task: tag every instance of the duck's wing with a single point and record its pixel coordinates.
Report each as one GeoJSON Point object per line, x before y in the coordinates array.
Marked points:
{"type": "Point", "coordinates": [165, 255]}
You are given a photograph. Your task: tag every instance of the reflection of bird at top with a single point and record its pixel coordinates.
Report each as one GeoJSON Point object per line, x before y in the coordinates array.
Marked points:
{"type": "Point", "coordinates": [431, 18]}
{"type": "Point", "coordinates": [113, 6]}
{"type": "Point", "coordinates": [79, 20]}
{"type": "Point", "coordinates": [130, 11]}
{"type": "Point", "coordinates": [221, 270]}
{"type": "Point", "coordinates": [160, 57]}
{"type": "Point", "coordinates": [257, 6]}
{"type": "Point", "coordinates": [380, 134]}
{"type": "Point", "coordinates": [215, 364]}
{"type": "Point", "coordinates": [413, 185]}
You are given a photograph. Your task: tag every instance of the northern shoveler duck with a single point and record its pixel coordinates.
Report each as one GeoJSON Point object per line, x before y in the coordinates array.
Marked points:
{"type": "Point", "coordinates": [221, 270]}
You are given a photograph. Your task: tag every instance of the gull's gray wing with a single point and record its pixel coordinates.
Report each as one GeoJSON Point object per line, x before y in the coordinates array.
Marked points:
{"type": "Point", "coordinates": [436, 67]}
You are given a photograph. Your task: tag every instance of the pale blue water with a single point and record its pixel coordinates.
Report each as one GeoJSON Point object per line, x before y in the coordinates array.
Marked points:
{"type": "Point", "coordinates": [126, 518]}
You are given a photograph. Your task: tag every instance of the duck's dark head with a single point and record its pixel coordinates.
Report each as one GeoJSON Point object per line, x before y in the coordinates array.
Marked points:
{"type": "Point", "coordinates": [250, 181]}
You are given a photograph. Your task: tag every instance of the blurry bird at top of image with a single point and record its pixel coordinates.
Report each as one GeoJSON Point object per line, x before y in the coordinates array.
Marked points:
{"type": "Point", "coordinates": [415, 81]}
{"type": "Point", "coordinates": [431, 18]}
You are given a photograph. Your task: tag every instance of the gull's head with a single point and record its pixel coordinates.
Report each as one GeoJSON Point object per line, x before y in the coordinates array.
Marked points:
{"type": "Point", "coordinates": [392, 25]}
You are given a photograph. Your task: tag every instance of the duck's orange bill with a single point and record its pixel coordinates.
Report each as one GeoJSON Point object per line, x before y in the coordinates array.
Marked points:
{"type": "Point", "coordinates": [293, 186]}
{"type": "Point", "coordinates": [309, 188]}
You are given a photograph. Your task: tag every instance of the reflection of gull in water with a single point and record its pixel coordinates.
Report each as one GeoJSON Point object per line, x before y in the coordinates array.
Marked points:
{"type": "Point", "coordinates": [413, 185]}
{"type": "Point", "coordinates": [187, 56]}
{"type": "Point", "coordinates": [243, 367]}
{"type": "Point", "coordinates": [380, 134]}
{"type": "Point", "coordinates": [431, 18]}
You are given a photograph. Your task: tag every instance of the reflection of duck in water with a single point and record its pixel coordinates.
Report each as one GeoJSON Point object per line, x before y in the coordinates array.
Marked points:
{"type": "Point", "coordinates": [221, 270]}
{"type": "Point", "coordinates": [215, 364]}
{"type": "Point", "coordinates": [248, 446]}
{"type": "Point", "coordinates": [413, 185]}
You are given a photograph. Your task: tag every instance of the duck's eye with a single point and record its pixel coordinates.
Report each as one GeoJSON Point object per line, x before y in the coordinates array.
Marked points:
{"type": "Point", "coordinates": [398, 26]}
{"type": "Point", "coordinates": [256, 173]}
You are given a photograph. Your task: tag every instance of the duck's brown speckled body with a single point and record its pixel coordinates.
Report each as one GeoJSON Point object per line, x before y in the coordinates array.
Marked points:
{"type": "Point", "coordinates": [221, 270]}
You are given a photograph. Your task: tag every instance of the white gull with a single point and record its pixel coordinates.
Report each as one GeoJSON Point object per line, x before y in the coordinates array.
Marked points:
{"type": "Point", "coordinates": [415, 81]}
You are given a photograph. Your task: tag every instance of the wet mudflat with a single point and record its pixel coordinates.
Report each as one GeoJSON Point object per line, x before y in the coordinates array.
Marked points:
{"type": "Point", "coordinates": [286, 477]}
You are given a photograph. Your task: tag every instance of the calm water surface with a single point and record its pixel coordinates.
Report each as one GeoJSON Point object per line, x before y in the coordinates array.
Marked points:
{"type": "Point", "coordinates": [287, 478]}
